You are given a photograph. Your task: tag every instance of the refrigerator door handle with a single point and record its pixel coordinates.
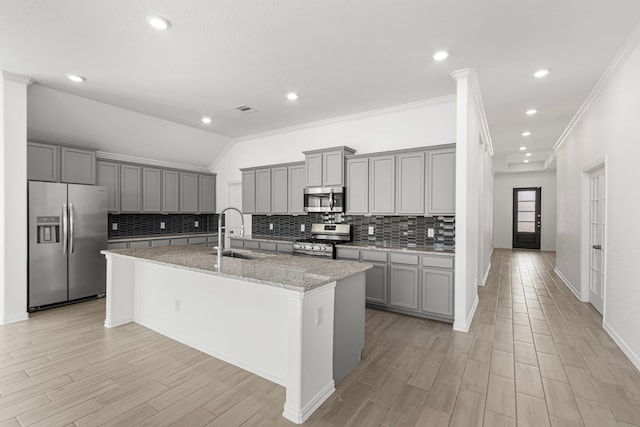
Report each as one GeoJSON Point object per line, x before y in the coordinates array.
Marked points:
{"type": "Point", "coordinates": [65, 234]}
{"type": "Point", "coordinates": [71, 228]}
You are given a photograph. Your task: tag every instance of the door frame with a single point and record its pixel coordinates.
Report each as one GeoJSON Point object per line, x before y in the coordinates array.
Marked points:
{"type": "Point", "coordinates": [514, 219]}
{"type": "Point", "coordinates": [585, 239]}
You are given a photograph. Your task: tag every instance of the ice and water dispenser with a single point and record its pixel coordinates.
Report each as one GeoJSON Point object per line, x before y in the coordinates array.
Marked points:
{"type": "Point", "coordinates": [48, 229]}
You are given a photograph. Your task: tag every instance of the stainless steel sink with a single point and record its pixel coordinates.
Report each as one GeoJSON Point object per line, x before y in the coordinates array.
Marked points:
{"type": "Point", "coordinates": [243, 254]}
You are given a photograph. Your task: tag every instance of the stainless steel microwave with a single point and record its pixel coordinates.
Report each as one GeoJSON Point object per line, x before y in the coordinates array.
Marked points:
{"type": "Point", "coordinates": [324, 199]}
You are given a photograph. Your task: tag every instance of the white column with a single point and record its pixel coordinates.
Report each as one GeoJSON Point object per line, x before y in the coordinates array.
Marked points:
{"type": "Point", "coordinates": [13, 197]}
{"type": "Point", "coordinates": [121, 273]}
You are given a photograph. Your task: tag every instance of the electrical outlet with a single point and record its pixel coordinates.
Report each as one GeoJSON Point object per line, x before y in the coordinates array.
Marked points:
{"type": "Point", "coordinates": [270, 226]}
{"type": "Point", "coordinates": [114, 226]}
{"type": "Point", "coordinates": [301, 227]}
{"type": "Point", "coordinates": [162, 225]}
{"type": "Point", "coordinates": [319, 316]}
{"type": "Point", "coordinates": [196, 224]}
{"type": "Point", "coordinates": [177, 305]}
{"type": "Point", "coordinates": [371, 230]}
{"type": "Point", "coordinates": [429, 232]}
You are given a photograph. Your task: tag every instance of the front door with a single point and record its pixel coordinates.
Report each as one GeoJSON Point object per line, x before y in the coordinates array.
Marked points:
{"type": "Point", "coordinates": [526, 218]}
{"type": "Point", "coordinates": [596, 239]}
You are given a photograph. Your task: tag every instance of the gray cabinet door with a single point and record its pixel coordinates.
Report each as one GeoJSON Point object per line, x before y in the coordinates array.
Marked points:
{"type": "Point", "coordinates": [279, 190]}
{"type": "Point", "coordinates": [382, 185]}
{"type": "Point", "coordinates": [296, 189]}
{"type": "Point", "coordinates": [77, 166]}
{"type": "Point", "coordinates": [410, 184]}
{"type": "Point", "coordinates": [377, 284]}
{"type": "Point", "coordinates": [109, 176]}
{"type": "Point", "coordinates": [151, 189]}
{"type": "Point", "coordinates": [437, 292]}
{"type": "Point", "coordinates": [42, 162]}
{"type": "Point", "coordinates": [188, 192]}
{"type": "Point", "coordinates": [263, 191]}
{"type": "Point", "coordinates": [249, 192]}
{"type": "Point", "coordinates": [170, 191]}
{"type": "Point", "coordinates": [313, 164]}
{"type": "Point", "coordinates": [130, 188]}
{"type": "Point", "coordinates": [357, 186]}
{"type": "Point", "coordinates": [403, 287]}
{"type": "Point", "coordinates": [441, 182]}
{"type": "Point", "coordinates": [333, 168]}
{"type": "Point", "coordinates": [207, 199]}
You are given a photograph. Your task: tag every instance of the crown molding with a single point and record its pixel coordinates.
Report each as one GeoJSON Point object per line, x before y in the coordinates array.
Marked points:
{"type": "Point", "coordinates": [625, 51]}
{"type": "Point", "coordinates": [17, 78]}
{"type": "Point", "coordinates": [103, 155]}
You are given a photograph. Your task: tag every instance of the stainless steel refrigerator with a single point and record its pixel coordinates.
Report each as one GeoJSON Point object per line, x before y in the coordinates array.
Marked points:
{"type": "Point", "coordinates": [67, 231]}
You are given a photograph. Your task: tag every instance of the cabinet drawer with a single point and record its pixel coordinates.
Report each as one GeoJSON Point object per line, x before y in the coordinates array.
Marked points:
{"type": "Point", "coordinates": [376, 256]}
{"type": "Point", "coordinates": [234, 243]}
{"type": "Point", "coordinates": [437, 261]}
{"type": "Point", "coordinates": [163, 242]}
{"type": "Point", "coordinates": [201, 240]}
{"type": "Point", "coordinates": [285, 247]}
{"type": "Point", "coordinates": [214, 239]}
{"type": "Point", "coordinates": [407, 259]}
{"type": "Point", "coordinates": [251, 244]}
{"type": "Point", "coordinates": [344, 253]}
{"type": "Point", "coordinates": [118, 245]}
{"type": "Point", "coordinates": [182, 241]}
{"type": "Point", "coordinates": [139, 244]}
{"type": "Point", "coordinates": [267, 246]}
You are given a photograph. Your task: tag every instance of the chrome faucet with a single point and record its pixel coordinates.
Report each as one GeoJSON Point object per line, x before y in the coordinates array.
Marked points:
{"type": "Point", "coordinates": [221, 237]}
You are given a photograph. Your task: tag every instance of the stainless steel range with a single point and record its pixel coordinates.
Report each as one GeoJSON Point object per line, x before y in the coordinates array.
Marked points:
{"type": "Point", "coordinates": [324, 238]}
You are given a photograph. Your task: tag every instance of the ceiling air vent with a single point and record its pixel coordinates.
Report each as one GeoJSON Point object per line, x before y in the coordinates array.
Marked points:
{"type": "Point", "coordinates": [246, 109]}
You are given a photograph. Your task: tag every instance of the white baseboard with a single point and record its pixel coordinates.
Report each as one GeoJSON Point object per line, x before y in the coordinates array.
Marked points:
{"type": "Point", "coordinates": [300, 416]}
{"type": "Point", "coordinates": [464, 327]}
{"type": "Point", "coordinates": [14, 318]}
{"type": "Point", "coordinates": [634, 358]}
{"type": "Point", "coordinates": [569, 285]}
{"type": "Point", "coordinates": [112, 323]}
{"type": "Point", "coordinates": [486, 276]}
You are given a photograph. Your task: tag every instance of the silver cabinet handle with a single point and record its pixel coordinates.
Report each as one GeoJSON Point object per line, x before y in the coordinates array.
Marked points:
{"type": "Point", "coordinates": [71, 228]}
{"type": "Point", "coordinates": [65, 235]}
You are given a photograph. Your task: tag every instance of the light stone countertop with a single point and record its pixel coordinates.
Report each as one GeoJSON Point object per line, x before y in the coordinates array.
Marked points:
{"type": "Point", "coordinates": [299, 273]}
{"type": "Point", "coordinates": [267, 239]}
{"type": "Point", "coordinates": [159, 237]}
{"type": "Point", "coordinates": [420, 250]}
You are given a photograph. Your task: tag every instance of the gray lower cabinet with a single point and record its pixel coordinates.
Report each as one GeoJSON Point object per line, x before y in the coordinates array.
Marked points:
{"type": "Point", "coordinates": [77, 166]}
{"type": "Point", "coordinates": [377, 288]}
{"type": "Point", "coordinates": [441, 182]}
{"type": "Point", "coordinates": [130, 188]}
{"type": "Point", "coordinates": [437, 292]}
{"type": "Point", "coordinates": [296, 186]}
{"type": "Point", "coordinates": [188, 192]}
{"type": "Point", "coordinates": [151, 189]}
{"type": "Point", "coordinates": [263, 191]}
{"type": "Point", "coordinates": [358, 186]}
{"type": "Point", "coordinates": [170, 191]}
{"type": "Point", "coordinates": [249, 192]}
{"type": "Point", "coordinates": [109, 176]}
{"type": "Point", "coordinates": [42, 162]}
{"type": "Point", "coordinates": [382, 185]}
{"type": "Point", "coordinates": [207, 188]}
{"type": "Point", "coordinates": [410, 183]}
{"type": "Point", "coordinates": [279, 190]}
{"type": "Point", "coordinates": [403, 286]}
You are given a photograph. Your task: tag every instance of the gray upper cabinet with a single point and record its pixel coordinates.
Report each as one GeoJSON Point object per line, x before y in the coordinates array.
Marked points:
{"type": "Point", "coordinates": [296, 186]}
{"type": "Point", "coordinates": [207, 199]}
{"type": "Point", "coordinates": [441, 182]}
{"type": "Point", "coordinates": [382, 185]}
{"type": "Point", "coordinates": [170, 191]}
{"type": "Point", "coordinates": [437, 292]}
{"type": "Point", "coordinates": [410, 184]}
{"type": "Point", "coordinates": [151, 189]}
{"type": "Point", "coordinates": [42, 162]}
{"type": "Point", "coordinates": [358, 186]}
{"type": "Point", "coordinates": [109, 176]}
{"type": "Point", "coordinates": [249, 192]}
{"type": "Point", "coordinates": [313, 163]}
{"type": "Point", "coordinates": [78, 166]}
{"type": "Point", "coordinates": [263, 191]}
{"type": "Point", "coordinates": [325, 168]}
{"type": "Point", "coordinates": [130, 188]}
{"type": "Point", "coordinates": [279, 190]}
{"type": "Point", "coordinates": [188, 192]}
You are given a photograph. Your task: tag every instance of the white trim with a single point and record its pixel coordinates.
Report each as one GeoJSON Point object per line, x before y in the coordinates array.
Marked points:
{"type": "Point", "coordinates": [364, 114]}
{"type": "Point", "coordinates": [300, 416]}
{"type": "Point", "coordinates": [486, 275]}
{"type": "Point", "coordinates": [17, 78]}
{"type": "Point", "coordinates": [14, 318]}
{"type": "Point", "coordinates": [596, 164]}
{"type": "Point", "coordinates": [634, 358]}
{"type": "Point", "coordinates": [627, 48]}
{"type": "Point", "coordinates": [457, 326]}
{"type": "Point", "coordinates": [569, 285]}
{"type": "Point", "coordinates": [113, 323]}
{"type": "Point", "coordinates": [103, 155]}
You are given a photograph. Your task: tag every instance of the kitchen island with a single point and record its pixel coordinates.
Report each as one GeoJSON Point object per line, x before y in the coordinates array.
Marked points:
{"type": "Point", "coordinates": [297, 321]}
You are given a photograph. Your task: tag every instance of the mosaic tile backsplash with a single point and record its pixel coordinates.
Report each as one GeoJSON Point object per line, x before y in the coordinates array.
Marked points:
{"type": "Point", "coordinates": [130, 225]}
{"type": "Point", "coordinates": [403, 231]}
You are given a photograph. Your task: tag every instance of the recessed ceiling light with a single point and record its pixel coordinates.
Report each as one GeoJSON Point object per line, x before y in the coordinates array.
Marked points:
{"type": "Point", "coordinates": [206, 120]}
{"type": "Point", "coordinates": [526, 161]}
{"type": "Point", "coordinates": [523, 148]}
{"type": "Point", "coordinates": [526, 133]}
{"type": "Point", "coordinates": [158, 22]}
{"type": "Point", "coordinates": [531, 111]}
{"type": "Point", "coordinates": [292, 96]}
{"type": "Point", "coordinates": [75, 78]}
{"type": "Point", "coordinates": [441, 55]}
{"type": "Point", "coordinates": [541, 73]}
{"type": "Point", "coordinates": [528, 154]}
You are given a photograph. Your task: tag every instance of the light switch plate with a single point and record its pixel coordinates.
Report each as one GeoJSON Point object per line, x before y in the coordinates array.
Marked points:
{"type": "Point", "coordinates": [371, 229]}
{"type": "Point", "coordinates": [429, 232]}
{"type": "Point", "coordinates": [196, 224]}
{"type": "Point", "coordinates": [270, 226]}
{"type": "Point", "coordinates": [114, 226]}
{"type": "Point", "coordinates": [162, 225]}
{"type": "Point", "coordinates": [301, 227]}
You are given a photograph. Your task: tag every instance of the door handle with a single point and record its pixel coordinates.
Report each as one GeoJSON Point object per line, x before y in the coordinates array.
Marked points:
{"type": "Point", "coordinates": [65, 234]}
{"type": "Point", "coordinates": [599, 247]}
{"type": "Point", "coordinates": [71, 228]}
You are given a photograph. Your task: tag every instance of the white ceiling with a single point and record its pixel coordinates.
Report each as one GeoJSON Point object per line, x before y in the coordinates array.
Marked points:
{"type": "Point", "coordinates": [343, 57]}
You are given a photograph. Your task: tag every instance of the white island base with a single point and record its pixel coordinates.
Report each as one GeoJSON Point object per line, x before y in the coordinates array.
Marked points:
{"type": "Point", "coordinates": [286, 336]}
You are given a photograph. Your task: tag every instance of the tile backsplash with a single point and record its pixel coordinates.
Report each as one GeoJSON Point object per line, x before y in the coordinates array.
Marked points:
{"type": "Point", "coordinates": [130, 225]}
{"type": "Point", "coordinates": [404, 231]}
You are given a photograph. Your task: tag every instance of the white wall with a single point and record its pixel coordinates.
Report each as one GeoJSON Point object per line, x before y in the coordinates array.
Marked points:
{"type": "Point", "coordinates": [62, 117]}
{"type": "Point", "coordinates": [503, 207]}
{"type": "Point", "coordinates": [485, 242]}
{"type": "Point", "coordinates": [609, 127]}
{"type": "Point", "coordinates": [416, 125]}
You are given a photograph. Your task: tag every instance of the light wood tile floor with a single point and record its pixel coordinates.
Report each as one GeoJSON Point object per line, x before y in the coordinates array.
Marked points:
{"type": "Point", "coordinates": [535, 356]}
